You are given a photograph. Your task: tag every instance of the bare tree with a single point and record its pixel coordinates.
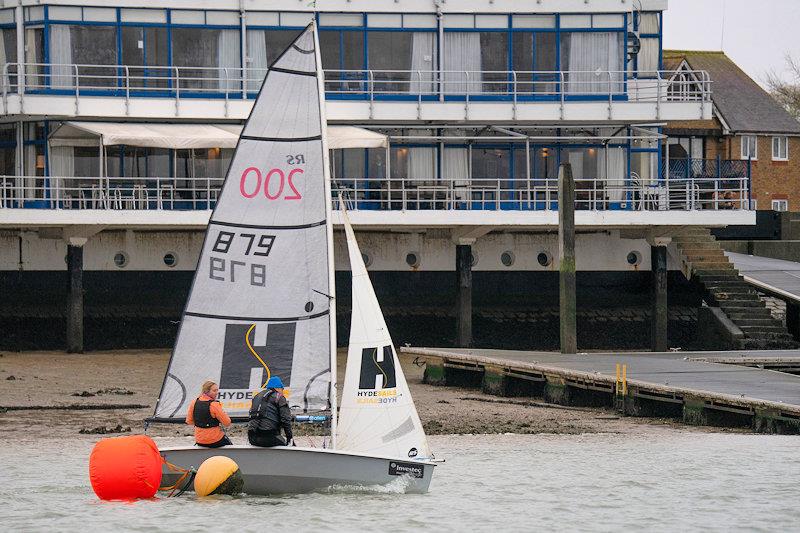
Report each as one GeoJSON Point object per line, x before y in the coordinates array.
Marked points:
{"type": "Point", "coordinates": [787, 93]}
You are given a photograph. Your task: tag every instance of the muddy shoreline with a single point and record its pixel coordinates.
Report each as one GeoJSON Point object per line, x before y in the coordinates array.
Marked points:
{"type": "Point", "coordinates": [54, 395]}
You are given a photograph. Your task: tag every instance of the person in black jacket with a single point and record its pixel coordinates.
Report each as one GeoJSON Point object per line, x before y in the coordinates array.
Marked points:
{"type": "Point", "coordinates": [269, 413]}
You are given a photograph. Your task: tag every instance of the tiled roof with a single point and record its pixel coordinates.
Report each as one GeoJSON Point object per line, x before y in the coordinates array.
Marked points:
{"type": "Point", "coordinates": [741, 102]}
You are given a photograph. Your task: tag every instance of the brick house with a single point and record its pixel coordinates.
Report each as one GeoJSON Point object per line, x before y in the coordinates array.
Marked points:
{"type": "Point", "coordinates": [748, 124]}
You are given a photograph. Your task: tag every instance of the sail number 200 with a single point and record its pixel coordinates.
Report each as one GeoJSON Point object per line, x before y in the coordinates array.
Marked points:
{"type": "Point", "coordinates": [276, 184]}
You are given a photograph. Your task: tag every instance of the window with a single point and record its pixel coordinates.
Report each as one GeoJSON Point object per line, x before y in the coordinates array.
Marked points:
{"type": "Point", "coordinates": [594, 62]}
{"type": "Point", "coordinates": [397, 53]}
{"type": "Point", "coordinates": [143, 49]}
{"type": "Point", "coordinates": [780, 205]}
{"type": "Point", "coordinates": [749, 147]}
{"type": "Point", "coordinates": [343, 53]}
{"type": "Point", "coordinates": [475, 62]}
{"type": "Point", "coordinates": [213, 54]}
{"type": "Point", "coordinates": [87, 47]}
{"type": "Point", "coordinates": [780, 148]}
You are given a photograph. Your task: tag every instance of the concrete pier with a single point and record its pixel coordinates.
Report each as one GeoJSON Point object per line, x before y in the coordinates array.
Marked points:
{"type": "Point", "coordinates": [670, 385]}
{"type": "Point", "coordinates": [566, 252]}
{"type": "Point", "coordinates": [464, 296]}
{"type": "Point", "coordinates": [658, 255]}
{"type": "Point", "coordinates": [75, 295]}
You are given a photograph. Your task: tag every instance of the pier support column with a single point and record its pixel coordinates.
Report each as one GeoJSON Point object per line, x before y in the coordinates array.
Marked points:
{"type": "Point", "coordinates": [566, 253]}
{"type": "Point", "coordinates": [658, 265]}
{"type": "Point", "coordinates": [793, 318]}
{"type": "Point", "coordinates": [464, 299]}
{"type": "Point", "coordinates": [75, 294]}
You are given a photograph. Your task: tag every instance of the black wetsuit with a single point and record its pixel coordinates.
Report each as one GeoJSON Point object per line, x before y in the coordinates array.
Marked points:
{"type": "Point", "coordinates": [269, 413]}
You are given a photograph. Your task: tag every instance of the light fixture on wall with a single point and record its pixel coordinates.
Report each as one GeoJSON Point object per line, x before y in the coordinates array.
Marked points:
{"type": "Point", "coordinates": [40, 162]}
{"type": "Point", "coordinates": [213, 153]}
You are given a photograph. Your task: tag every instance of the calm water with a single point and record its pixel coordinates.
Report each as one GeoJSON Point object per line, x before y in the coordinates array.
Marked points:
{"type": "Point", "coordinates": [659, 481]}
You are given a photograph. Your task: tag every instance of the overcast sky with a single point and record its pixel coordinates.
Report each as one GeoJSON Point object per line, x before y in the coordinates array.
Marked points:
{"type": "Point", "coordinates": [757, 34]}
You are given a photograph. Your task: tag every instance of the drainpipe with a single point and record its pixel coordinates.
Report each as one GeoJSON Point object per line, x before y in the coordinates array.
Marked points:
{"type": "Point", "coordinates": [19, 18]}
{"type": "Point", "coordinates": [440, 30]}
{"type": "Point", "coordinates": [243, 40]}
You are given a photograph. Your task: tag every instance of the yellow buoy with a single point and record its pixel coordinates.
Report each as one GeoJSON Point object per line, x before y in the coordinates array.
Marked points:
{"type": "Point", "coordinates": [218, 475]}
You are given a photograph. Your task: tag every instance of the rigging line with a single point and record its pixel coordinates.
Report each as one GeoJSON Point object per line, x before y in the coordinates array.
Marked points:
{"type": "Point", "coordinates": [250, 346]}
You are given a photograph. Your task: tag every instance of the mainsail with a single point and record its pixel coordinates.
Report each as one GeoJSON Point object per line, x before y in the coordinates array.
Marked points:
{"type": "Point", "coordinates": [261, 301]}
{"type": "Point", "coordinates": [377, 415]}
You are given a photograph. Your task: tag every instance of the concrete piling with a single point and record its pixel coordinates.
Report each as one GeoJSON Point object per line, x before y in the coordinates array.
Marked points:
{"type": "Point", "coordinates": [75, 296]}
{"type": "Point", "coordinates": [658, 255]}
{"type": "Point", "coordinates": [566, 252]}
{"type": "Point", "coordinates": [464, 295]}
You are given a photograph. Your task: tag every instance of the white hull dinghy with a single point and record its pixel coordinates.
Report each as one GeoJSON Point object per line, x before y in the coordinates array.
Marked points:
{"type": "Point", "coordinates": [262, 303]}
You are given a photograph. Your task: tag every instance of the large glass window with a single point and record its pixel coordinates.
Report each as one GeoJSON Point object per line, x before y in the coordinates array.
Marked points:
{"type": "Point", "coordinates": [212, 58]}
{"type": "Point", "coordinates": [34, 55]}
{"type": "Point", "coordinates": [404, 61]}
{"type": "Point", "coordinates": [593, 61]}
{"type": "Point", "coordinates": [8, 150]}
{"type": "Point", "coordinates": [263, 48]}
{"type": "Point", "coordinates": [83, 52]}
{"type": "Point", "coordinates": [343, 57]}
{"type": "Point", "coordinates": [469, 58]}
{"type": "Point", "coordinates": [143, 51]}
{"type": "Point", "coordinates": [535, 60]}
{"type": "Point", "coordinates": [8, 53]}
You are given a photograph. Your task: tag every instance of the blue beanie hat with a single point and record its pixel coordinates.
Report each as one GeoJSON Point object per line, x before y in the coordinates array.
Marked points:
{"type": "Point", "coordinates": [274, 383]}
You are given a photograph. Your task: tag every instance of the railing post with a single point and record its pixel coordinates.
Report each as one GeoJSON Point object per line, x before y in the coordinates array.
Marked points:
{"type": "Point", "coordinates": [658, 95]}
{"type": "Point", "coordinates": [227, 88]}
{"type": "Point", "coordinates": [371, 85]}
{"type": "Point", "coordinates": [177, 91]}
{"type": "Point", "coordinates": [514, 88]}
{"type": "Point", "coordinates": [127, 90]}
{"type": "Point", "coordinates": [466, 97]}
{"type": "Point", "coordinates": [419, 96]}
{"type": "Point", "coordinates": [77, 89]}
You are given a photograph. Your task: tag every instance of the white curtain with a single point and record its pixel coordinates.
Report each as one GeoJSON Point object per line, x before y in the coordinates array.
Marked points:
{"type": "Point", "coordinates": [612, 172]}
{"type": "Point", "coordinates": [422, 164]}
{"type": "Point", "coordinates": [576, 161]}
{"type": "Point", "coordinates": [61, 72]}
{"type": "Point", "coordinates": [423, 58]}
{"type": "Point", "coordinates": [594, 63]}
{"type": "Point", "coordinates": [455, 169]}
{"type": "Point", "coordinates": [228, 57]}
{"type": "Point", "coordinates": [462, 54]}
{"type": "Point", "coordinates": [257, 53]}
{"type": "Point", "coordinates": [648, 57]}
{"type": "Point", "coordinates": [62, 164]}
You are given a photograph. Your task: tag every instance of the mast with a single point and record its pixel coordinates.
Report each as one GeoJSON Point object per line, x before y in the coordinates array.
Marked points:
{"type": "Point", "coordinates": [326, 172]}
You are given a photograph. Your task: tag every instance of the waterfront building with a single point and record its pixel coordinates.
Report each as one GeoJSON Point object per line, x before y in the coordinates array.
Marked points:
{"type": "Point", "coordinates": [119, 122]}
{"type": "Point", "coordinates": [747, 125]}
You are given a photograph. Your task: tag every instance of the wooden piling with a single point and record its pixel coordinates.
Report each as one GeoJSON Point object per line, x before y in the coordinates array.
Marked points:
{"type": "Point", "coordinates": [566, 253]}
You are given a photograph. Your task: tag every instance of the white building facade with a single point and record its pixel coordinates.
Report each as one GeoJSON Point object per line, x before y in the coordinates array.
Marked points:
{"type": "Point", "coordinates": [118, 125]}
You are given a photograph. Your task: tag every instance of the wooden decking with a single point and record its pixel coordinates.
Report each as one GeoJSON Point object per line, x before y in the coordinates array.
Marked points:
{"type": "Point", "coordinates": [679, 385]}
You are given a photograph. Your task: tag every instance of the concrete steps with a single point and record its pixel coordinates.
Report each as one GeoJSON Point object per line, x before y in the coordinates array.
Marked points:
{"type": "Point", "coordinates": [705, 263]}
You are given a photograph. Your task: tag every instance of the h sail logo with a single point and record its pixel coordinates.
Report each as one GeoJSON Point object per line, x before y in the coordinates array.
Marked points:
{"type": "Point", "coordinates": [377, 369]}
{"type": "Point", "coordinates": [253, 352]}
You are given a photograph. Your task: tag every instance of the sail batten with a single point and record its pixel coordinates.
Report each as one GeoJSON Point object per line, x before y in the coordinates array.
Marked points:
{"type": "Point", "coordinates": [258, 305]}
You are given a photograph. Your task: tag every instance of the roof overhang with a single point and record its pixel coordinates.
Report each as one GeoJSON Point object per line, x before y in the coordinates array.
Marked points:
{"type": "Point", "coordinates": [188, 136]}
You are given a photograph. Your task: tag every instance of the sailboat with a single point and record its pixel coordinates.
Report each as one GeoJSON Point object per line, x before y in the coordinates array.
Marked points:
{"type": "Point", "coordinates": [262, 303]}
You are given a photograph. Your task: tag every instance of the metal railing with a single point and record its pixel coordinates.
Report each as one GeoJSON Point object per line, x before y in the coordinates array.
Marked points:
{"type": "Point", "coordinates": [623, 193]}
{"type": "Point", "coordinates": [177, 82]}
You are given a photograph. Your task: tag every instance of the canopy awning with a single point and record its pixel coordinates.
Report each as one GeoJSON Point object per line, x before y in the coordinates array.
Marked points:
{"type": "Point", "coordinates": [185, 136]}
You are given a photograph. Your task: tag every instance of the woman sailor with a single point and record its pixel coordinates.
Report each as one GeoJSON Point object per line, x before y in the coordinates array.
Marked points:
{"type": "Point", "coordinates": [206, 415]}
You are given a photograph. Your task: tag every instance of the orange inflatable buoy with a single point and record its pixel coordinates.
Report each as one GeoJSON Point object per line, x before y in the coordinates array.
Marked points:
{"type": "Point", "coordinates": [125, 468]}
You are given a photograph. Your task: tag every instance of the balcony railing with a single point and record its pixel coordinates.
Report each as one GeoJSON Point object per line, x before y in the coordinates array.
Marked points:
{"type": "Point", "coordinates": [235, 83]}
{"type": "Point", "coordinates": [375, 194]}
